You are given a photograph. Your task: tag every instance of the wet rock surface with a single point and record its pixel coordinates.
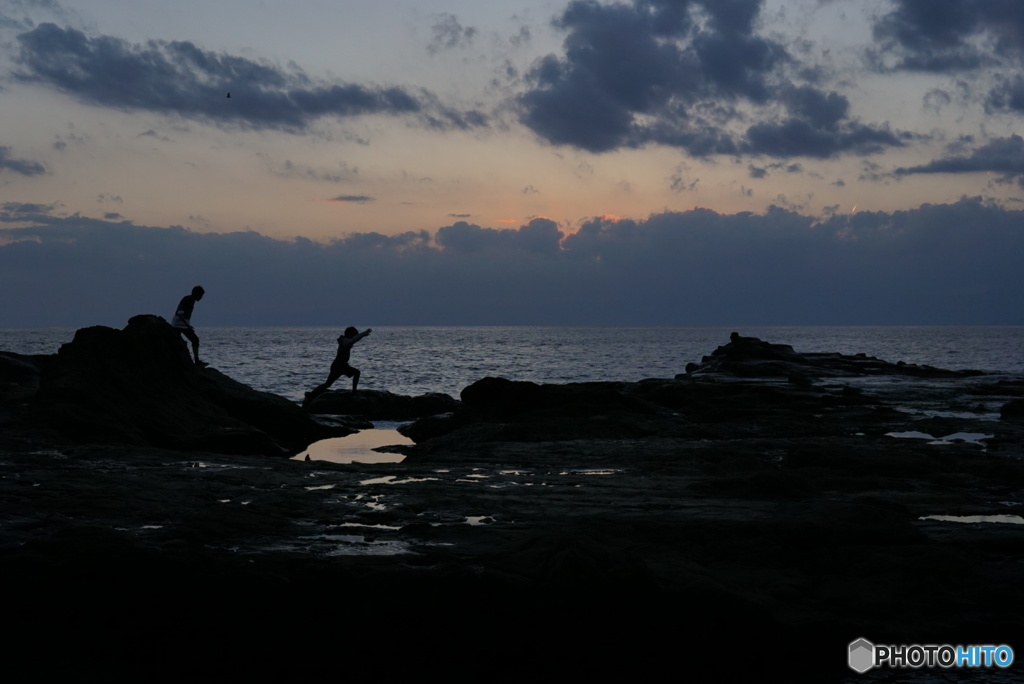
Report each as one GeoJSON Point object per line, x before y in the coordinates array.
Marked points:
{"type": "Point", "coordinates": [381, 405]}
{"type": "Point", "coordinates": [708, 524]}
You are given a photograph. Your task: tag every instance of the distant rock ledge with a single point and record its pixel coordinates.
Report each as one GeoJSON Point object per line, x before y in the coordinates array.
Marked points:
{"type": "Point", "coordinates": [754, 358]}
{"type": "Point", "coordinates": [745, 389]}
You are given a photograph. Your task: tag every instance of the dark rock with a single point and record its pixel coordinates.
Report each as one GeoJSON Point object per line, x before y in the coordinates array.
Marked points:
{"type": "Point", "coordinates": [500, 398]}
{"type": "Point", "coordinates": [139, 386]}
{"type": "Point", "coordinates": [1012, 410]}
{"type": "Point", "coordinates": [19, 382]}
{"type": "Point", "coordinates": [745, 389]}
{"type": "Point", "coordinates": [382, 405]}
{"type": "Point", "coordinates": [430, 427]}
{"type": "Point", "coordinates": [495, 397]}
{"type": "Point", "coordinates": [750, 357]}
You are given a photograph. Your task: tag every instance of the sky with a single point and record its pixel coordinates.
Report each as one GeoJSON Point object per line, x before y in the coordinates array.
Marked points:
{"type": "Point", "coordinates": [438, 162]}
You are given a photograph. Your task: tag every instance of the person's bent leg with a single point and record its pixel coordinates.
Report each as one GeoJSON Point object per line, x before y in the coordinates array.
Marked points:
{"type": "Point", "coordinates": [320, 389]}
{"type": "Point", "coordinates": [355, 379]}
{"type": "Point", "coordinates": [190, 334]}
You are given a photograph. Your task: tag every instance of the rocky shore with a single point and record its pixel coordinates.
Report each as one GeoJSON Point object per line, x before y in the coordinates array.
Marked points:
{"type": "Point", "coordinates": [743, 521]}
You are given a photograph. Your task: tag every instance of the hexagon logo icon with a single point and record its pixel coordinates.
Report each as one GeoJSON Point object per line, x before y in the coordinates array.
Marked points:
{"type": "Point", "coordinates": [862, 655]}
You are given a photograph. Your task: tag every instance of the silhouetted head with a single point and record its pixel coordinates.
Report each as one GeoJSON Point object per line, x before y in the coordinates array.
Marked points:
{"type": "Point", "coordinates": [734, 337]}
{"type": "Point", "coordinates": [198, 292]}
{"type": "Point", "coordinates": [350, 331]}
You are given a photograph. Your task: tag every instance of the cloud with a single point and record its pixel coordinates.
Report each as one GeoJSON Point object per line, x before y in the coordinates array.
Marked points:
{"type": "Point", "coordinates": [20, 211]}
{"type": "Point", "coordinates": [539, 236]}
{"type": "Point", "coordinates": [1002, 155]}
{"type": "Point", "coordinates": [948, 36]}
{"type": "Point", "coordinates": [449, 34]}
{"type": "Point", "coordinates": [1007, 95]}
{"type": "Point", "coordinates": [289, 169]}
{"type": "Point", "coordinates": [352, 198]}
{"type": "Point", "coordinates": [800, 138]}
{"type": "Point", "coordinates": [179, 78]}
{"type": "Point", "coordinates": [150, 133]}
{"type": "Point", "coordinates": [938, 264]}
{"type": "Point", "coordinates": [955, 37]}
{"type": "Point", "coordinates": [23, 167]}
{"type": "Point", "coordinates": [685, 74]}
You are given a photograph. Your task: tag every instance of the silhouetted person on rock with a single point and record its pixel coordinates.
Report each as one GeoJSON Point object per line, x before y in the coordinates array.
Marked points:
{"type": "Point", "coordinates": [736, 337]}
{"type": "Point", "coordinates": [182, 321]}
{"type": "Point", "coordinates": [340, 365]}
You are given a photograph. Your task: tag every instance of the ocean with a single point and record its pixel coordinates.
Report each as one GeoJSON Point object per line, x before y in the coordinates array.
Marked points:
{"type": "Point", "coordinates": [414, 360]}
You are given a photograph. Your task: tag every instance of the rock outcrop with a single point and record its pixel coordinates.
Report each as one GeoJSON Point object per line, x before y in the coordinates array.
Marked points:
{"type": "Point", "coordinates": [138, 386]}
{"type": "Point", "coordinates": [381, 404]}
{"type": "Point", "coordinates": [750, 357]}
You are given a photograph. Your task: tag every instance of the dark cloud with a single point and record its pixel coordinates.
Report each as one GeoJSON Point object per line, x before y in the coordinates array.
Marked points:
{"type": "Point", "coordinates": [955, 37]}
{"type": "Point", "coordinates": [352, 198]}
{"type": "Point", "coordinates": [928, 35]}
{"type": "Point", "coordinates": [21, 211]}
{"type": "Point", "coordinates": [683, 73]}
{"type": "Point", "coordinates": [949, 35]}
{"type": "Point", "coordinates": [179, 78]}
{"type": "Point", "coordinates": [539, 236]}
{"type": "Point", "coordinates": [23, 167]}
{"type": "Point", "coordinates": [800, 138]}
{"type": "Point", "coordinates": [938, 264]}
{"type": "Point", "coordinates": [817, 127]}
{"type": "Point", "coordinates": [1004, 156]}
{"type": "Point", "coordinates": [1007, 95]}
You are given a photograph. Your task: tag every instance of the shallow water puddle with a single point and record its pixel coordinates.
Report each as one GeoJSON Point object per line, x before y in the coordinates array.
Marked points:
{"type": "Point", "coordinates": [345, 545]}
{"type": "Point", "coordinates": [357, 448]}
{"type": "Point", "coordinates": [1010, 519]}
{"type": "Point", "coordinates": [373, 502]}
{"type": "Point", "coordinates": [969, 437]}
{"type": "Point", "coordinates": [392, 479]}
{"type": "Point", "coordinates": [370, 527]}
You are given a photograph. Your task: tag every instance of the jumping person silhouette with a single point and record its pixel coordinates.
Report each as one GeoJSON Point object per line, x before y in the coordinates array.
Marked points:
{"type": "Point", "coordinates": [182, 321]}
{"type": "Point", "coordinates": [340, 365]}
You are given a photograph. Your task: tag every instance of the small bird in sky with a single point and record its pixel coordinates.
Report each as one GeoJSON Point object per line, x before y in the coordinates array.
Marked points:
{"type": "Point", "coordinates": [229, 93]}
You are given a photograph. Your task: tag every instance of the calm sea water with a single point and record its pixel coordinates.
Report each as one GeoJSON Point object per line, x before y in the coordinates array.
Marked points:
{"type": "Point", "coordinates": [414, 360]}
